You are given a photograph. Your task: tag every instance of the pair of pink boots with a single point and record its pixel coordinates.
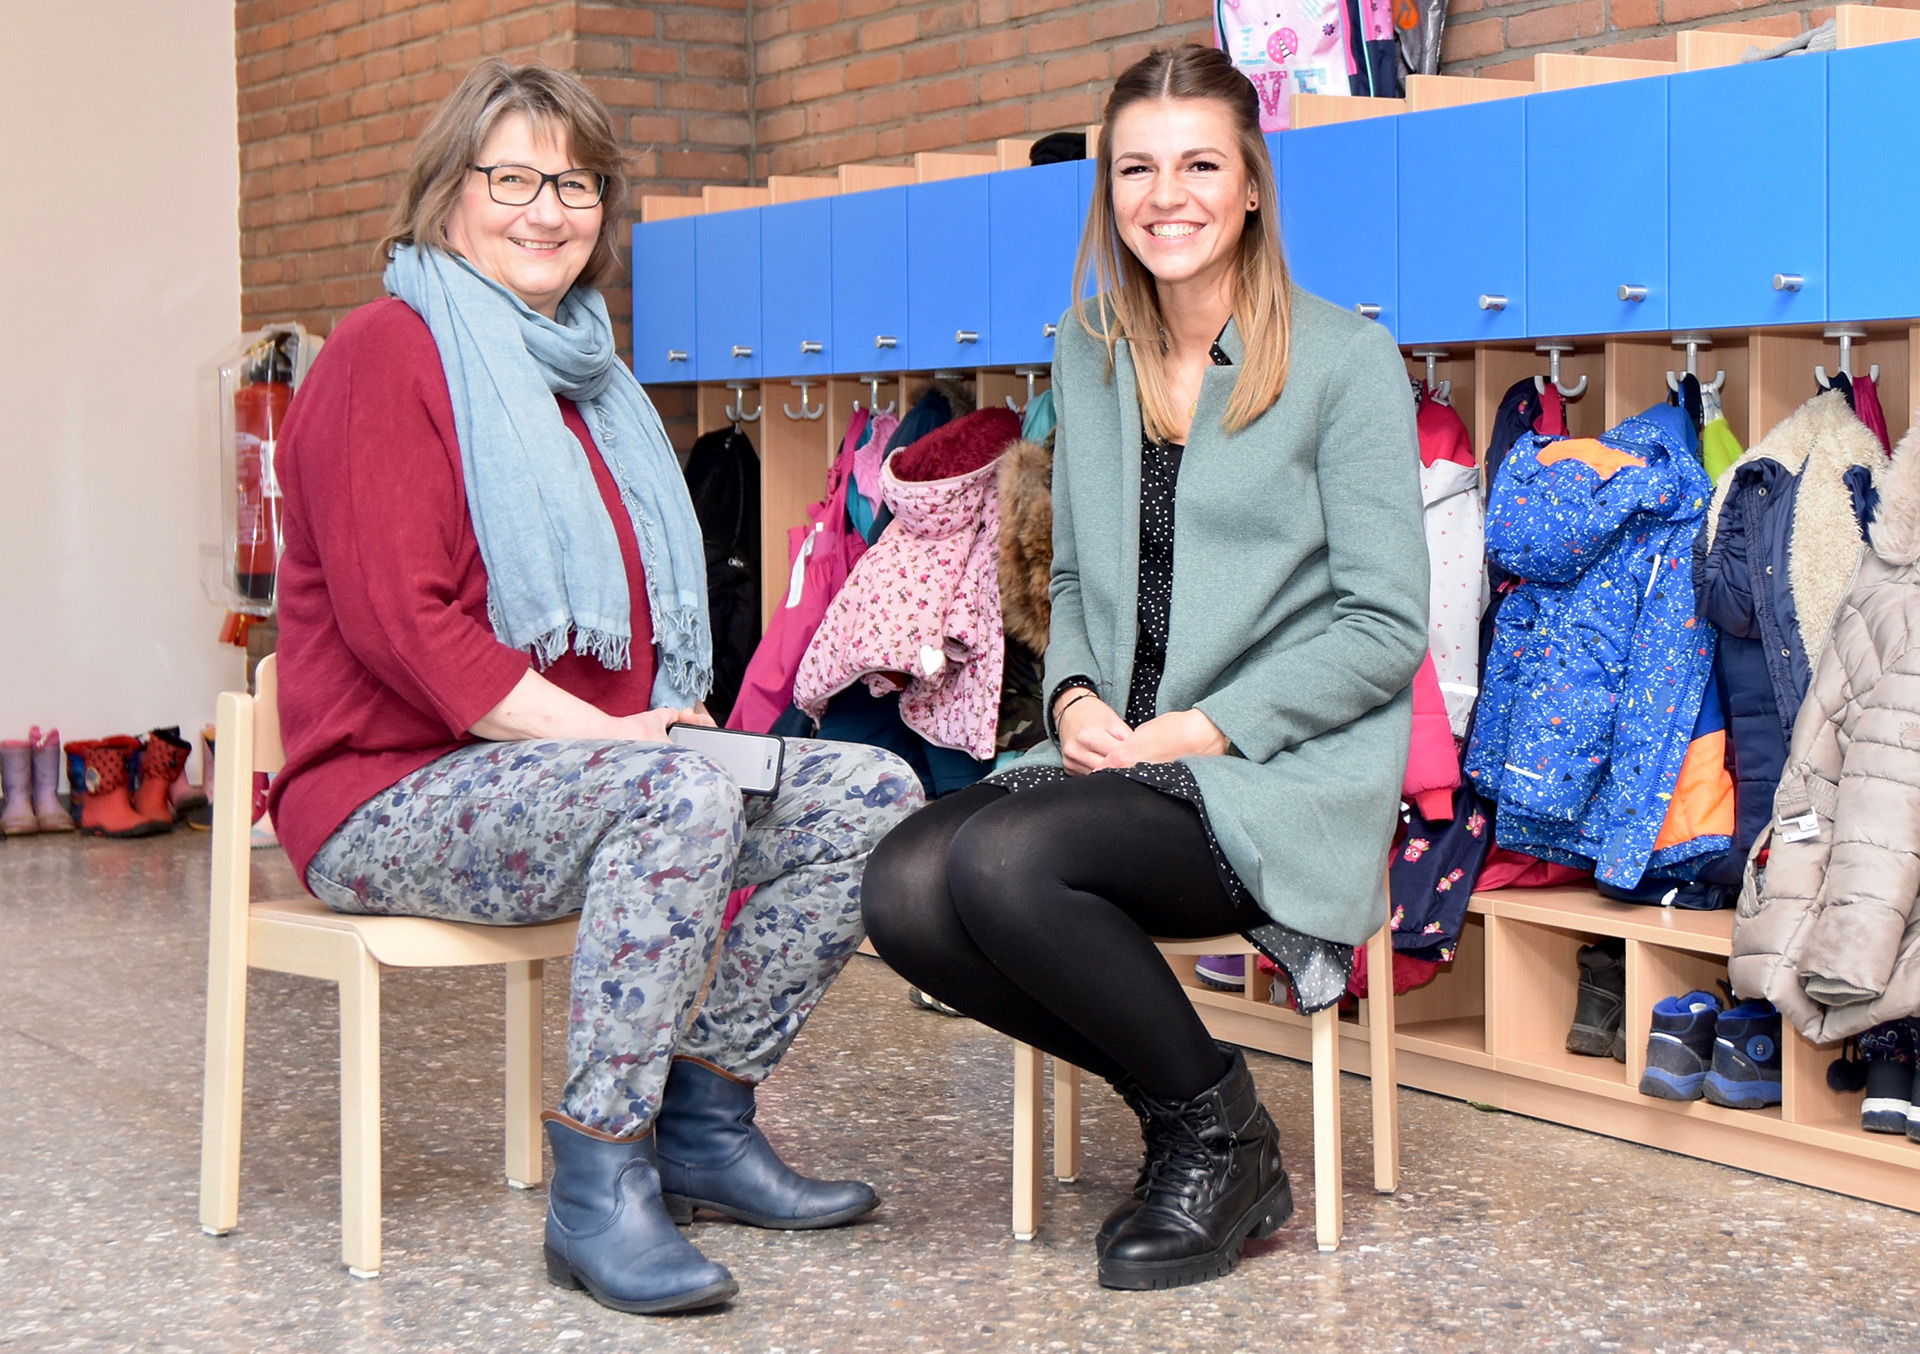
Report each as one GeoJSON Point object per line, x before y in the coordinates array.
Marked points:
{"type": "Point", "coordinates": [30, 778]}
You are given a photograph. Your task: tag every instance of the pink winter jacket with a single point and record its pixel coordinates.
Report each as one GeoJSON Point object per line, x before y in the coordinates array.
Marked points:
{"type": "Point", "coordinates": [921, 611]}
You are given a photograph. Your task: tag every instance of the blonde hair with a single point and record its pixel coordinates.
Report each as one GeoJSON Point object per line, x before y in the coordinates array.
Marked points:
{"type": "Point", "coordinates": [556, 104]}
{"type": "Point", "coordinates": [1128, 305]}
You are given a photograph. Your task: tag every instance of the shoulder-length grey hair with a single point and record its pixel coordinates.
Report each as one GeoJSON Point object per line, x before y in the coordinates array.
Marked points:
{"type": "Point", "coordinates": [555, 103]}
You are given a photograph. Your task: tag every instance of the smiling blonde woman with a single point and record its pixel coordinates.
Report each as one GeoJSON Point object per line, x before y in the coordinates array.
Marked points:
{"type": "Point", "coordinates": [1230, 719]}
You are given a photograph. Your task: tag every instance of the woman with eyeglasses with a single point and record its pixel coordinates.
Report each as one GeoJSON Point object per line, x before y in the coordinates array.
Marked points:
{"type": "Point", "coordinates": [492, 607]}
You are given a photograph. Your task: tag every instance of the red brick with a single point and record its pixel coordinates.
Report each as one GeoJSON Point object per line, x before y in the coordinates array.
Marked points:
{"type": "Point", "coordinates": [1463, 42]}
{"type": "Point", "coordinates": [699, 26]}
{"type": "Point", "coordinates": [1643, 49]}
{"type": "Point", "coordinates": [1635, 13]}
{"type": "Point", "coordinates": [892, 105]}
{"type": "Point", "coordinates": [620, 20]}
{"type": "Point", "coordinates": [874, 70]}
{"type": "Point", "coordinates": [990, 124]}
{"type": "Point", "coordinates": [1026, 9]}
{"type": "Point", "coordinates": [987, 48]}
{"type": "Point", "coordinates": [818, 84]}
{"type": "Point", "coordinates": [832, 115]}
{"type": "Point", "coordinates": [1071, 110]}
{"type": "Point", "coordinates": [720, 63]}
{"type": "Point", "coordinates": [1012, 82]}
{"type": "Point", "coordinates": [652, 58]}
{"type": "Point", "coordinates": [804, 14]}
{"type": "Point", "coordinates": [951, 16]}
{"type": "Point", "coordinates": [1057, 35]}
{"type": "Point", "coordinates": [1557, 23]}
{"type": "Point", "coordinates": [1188, 11]}
{"type": "Point", "coordinates": [1129, 16]}
{"type": "Point", "coordinates": [1768, 26]}
{"type": "Point", "coordinates": [936, 96]}
{"type": "Point", "coordinates": [889, 32]}
{"type": "Point", "coordinates": [930, 59]}
{"type": "Point", "coordinates": [782, 54]}
{"type": "Point", "coordinates": [1686, 11]}
{"type": "Point", "coordinates": [721, 98]}
{"type": "Point", "coordinates": [1079, 69]}
{"type": "Point", "coordinates": [831, 45]}
{"type": "Point", "coordinates": [935, 133]}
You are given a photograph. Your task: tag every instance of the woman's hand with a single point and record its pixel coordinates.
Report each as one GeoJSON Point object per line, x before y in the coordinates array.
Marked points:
{"type": "Point", "coordinates": [651, 726]}
{"type": "Point", "coordinates": [1089, 731]}
{"type": "Point", "coordinates": [1177, 734]}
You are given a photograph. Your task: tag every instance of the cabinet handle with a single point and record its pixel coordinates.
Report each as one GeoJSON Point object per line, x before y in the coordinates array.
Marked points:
{"type": "Point", "coordinates": [1788, 282]}
{"type": "Point", "coordinates": [742, 350]}
{"type": "Point", "coordinates": [885, 341]}
{"type": "Point", "coordinates": [966, 336]}
{"type": "Point", "coordinates": [810, 346]}
{"type": "Point", "coordinates": [1366, 310]}
{"type": "Point", "coordinates": [1049, 330]}
{"type": "Point", "coordinates": [676, 354]}
{"type": "Point", "coordinates": [1492, 301]}
{"type": "Point", "coordinates": [1630, 292]}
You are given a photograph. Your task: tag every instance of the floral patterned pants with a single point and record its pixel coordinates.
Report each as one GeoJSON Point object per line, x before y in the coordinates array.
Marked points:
{"type": "Point", "coordinates": [644, 841]}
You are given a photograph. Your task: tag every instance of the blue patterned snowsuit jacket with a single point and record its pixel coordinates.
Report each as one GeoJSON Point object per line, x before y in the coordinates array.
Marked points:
{"type": "Point", "coordinates": [1598, 662]}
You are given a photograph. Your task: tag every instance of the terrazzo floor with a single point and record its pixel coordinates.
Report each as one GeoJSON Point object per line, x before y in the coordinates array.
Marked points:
{"type": "Point", "coordinates": [1508, 1234]}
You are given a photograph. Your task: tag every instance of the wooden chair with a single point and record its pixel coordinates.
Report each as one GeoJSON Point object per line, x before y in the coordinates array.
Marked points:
{"type": "Point", "coordinates": [1325, 1042]}
{"type": "Point", "coordinates": [301, 935]}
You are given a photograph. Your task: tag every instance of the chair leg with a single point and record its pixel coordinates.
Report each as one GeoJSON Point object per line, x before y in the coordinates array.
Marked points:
{"type": "Point", "coordinates": [1384, 1060]}
{"type": "Point", "coordinates": [1066, 1121]}
{"type": "Point", "coordinates": [524, 1165]}
{"type": "Point", "coordinates": [1027, 1113]}
{"type": "Point", "coordinates": [224, 1087]}
{"type": "Point", "coordinates": [1327, 1204]}
{"type": "Point", "coordinates": [360, 1117]}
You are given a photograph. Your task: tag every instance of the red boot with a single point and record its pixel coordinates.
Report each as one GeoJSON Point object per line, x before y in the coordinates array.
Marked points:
{"type": "Point", "coordinates": [100, 778]}
{"type": "Point", "coordinates": [163, 755]}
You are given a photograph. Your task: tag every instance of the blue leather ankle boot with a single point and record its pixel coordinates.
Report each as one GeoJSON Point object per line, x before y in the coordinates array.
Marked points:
{"type": "Point", "coordinates": [607, 1232]}
{"type": "Point", "coordinates": [712, 1156]}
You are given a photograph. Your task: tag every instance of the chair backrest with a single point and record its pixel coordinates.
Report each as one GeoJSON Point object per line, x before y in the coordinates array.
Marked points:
{"type": "Point", "coordinates": [268, 755]}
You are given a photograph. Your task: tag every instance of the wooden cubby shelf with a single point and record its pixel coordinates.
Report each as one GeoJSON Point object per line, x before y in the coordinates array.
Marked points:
{"type": "Point", "coordinates": [1492, 1026]}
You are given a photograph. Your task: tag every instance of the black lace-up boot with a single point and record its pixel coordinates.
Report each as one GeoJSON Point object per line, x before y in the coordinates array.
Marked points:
{"type": "Point", "coordinates": [1214, 1178]}
{"type": "Point", "coordinates": [1137, 1102]}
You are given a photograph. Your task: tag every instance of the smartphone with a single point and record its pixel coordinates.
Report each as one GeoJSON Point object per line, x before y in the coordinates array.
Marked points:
{"type": "Point", "coordinates": [752, 760]}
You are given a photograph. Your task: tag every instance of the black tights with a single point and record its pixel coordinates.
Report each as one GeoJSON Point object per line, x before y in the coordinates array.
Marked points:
{"type": "Point", "coordinates": [1033, 912]}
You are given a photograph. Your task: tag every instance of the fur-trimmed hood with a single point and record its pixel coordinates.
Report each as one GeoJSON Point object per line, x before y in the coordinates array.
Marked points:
{"type": "Point", "coordinates": [1819, 442]}
{"type": "Point", "coordinates": [1896, 526]}
{"type": "Point", "coordinates": [1026, 540]}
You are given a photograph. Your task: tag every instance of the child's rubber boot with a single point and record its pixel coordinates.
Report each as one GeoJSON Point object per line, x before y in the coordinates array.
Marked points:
{"type": "Point", "coordinates": [16, 781]}
{"type": "Point", "coordinates": [163, 756]}
{"type": "Point", "coordinates": [52, 815]}
{"type": "Point", "coordinates": [100, 777]}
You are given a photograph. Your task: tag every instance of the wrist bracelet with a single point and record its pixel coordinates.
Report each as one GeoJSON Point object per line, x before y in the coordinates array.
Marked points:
{"type": "Point", "coordinates": [1061, 713]}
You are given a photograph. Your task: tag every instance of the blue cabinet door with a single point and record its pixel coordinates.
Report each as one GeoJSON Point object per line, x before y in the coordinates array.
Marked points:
{"type": "Point", "coordinates": [1597, 209]}
{"type": "Point", "coordinates": [1462, 223]}
{"type": "Point", "coordinates": [1339, 213]}
{"type": "Point", "coordinates": [1873, 182]}
{"type": "Point", "coordinates": [948, 319]}
{"type": "Point", "coordinates": [663, 317]}
{"type": "Point", "coordinates": [727, 296]}
{"type": "Point", "coordinates": [870, 281]}
{"type": "Point", "coordinates": [1033, 232]}
{"type": "Point", "coordinates": [796, 288]}
{"type": "Point", "coordinates": [1746, 173]}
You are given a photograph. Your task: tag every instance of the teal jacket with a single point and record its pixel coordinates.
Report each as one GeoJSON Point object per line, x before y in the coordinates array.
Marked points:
{"type": "Point", "coordinates": [1299, 599]}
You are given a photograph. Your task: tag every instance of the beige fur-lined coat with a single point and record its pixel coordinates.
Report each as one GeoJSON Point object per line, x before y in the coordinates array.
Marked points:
{"type": "Point", "coordinates": [1829, 932]}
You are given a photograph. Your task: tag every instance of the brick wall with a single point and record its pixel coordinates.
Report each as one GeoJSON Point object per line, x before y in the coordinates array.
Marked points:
{"type": "Point", "coordinates": [333, 92]}
{"type": "Point", "coordinates": [852, 81]}
{"type": "Point", "coordinates": [1486, 37]}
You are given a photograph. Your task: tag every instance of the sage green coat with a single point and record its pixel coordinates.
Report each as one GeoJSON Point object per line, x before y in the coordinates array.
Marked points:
{"type": "Point", "coordinates": [1299, 599]}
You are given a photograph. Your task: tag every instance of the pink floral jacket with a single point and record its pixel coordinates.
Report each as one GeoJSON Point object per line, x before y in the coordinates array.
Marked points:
{"type": "Point", "coordinates": [920, 614]}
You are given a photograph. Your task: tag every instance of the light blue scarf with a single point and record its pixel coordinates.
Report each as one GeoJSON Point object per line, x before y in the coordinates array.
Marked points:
{"type": "Point", "coordinates": [554, 573]}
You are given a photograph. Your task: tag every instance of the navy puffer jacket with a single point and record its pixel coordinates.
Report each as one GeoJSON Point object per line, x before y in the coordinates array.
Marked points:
{"type": "Point", "coordinates": [1770, 569]}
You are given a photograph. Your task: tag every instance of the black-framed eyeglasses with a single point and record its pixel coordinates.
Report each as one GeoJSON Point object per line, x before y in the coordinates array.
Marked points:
{"type": "Point", "coordinates": [519, 185]}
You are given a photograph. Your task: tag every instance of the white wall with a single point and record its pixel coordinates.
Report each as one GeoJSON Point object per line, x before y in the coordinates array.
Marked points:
{"type": "Point", "coordinates": [119, 277]}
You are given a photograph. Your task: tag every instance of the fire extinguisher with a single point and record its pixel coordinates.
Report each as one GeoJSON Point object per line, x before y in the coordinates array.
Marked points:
{"type": "Point", "coordinates": [259, 408]}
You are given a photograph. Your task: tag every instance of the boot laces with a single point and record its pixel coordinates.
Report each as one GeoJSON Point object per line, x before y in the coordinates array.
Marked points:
{"type": "Point", "coordinates": [1185, 1157]}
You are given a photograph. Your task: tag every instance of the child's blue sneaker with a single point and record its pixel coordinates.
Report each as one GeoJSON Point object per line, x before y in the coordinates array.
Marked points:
{"type": "Point", "coordinates": [1746, 1058]}
{"type": "Point", "coordinates": [1680, 1049]}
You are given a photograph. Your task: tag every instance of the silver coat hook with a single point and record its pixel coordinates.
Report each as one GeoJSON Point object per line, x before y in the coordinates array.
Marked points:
{"type": "Point", "coordinates": [1438, 390]}
{"type": "Point", "coordinates": [806, 411]}
{"type": "Point", "coordinates": [1030, 373]}
{"type": "Point", "coordinates": [736, 412]}
{"type": "Point", "coordinates": [1846, 334]}
{"type": "Point", "coordinates": [1693, 343]}
{"type": "Point", "coordinates": [873, 383]}
{"type": "Point", "coordinates": [1553, 351]}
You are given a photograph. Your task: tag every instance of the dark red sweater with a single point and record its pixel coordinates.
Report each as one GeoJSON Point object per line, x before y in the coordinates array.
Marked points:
{"type": "Point", "coordinates": [386, 655]}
